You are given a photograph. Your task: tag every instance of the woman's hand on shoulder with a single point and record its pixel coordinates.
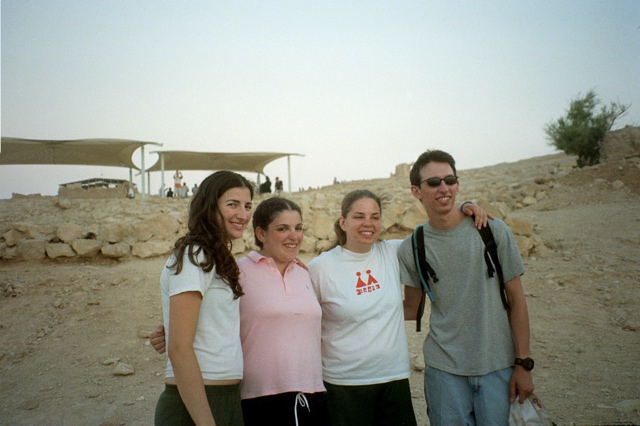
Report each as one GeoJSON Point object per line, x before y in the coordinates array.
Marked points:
{"type": "Point", "coordinates": [481, 215]}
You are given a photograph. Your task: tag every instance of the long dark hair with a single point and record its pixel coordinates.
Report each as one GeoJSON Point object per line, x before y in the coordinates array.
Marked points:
{"type": "Point", "coordinates": [268, 210]}
{"type": "Point", "coordinates": [206, 235]}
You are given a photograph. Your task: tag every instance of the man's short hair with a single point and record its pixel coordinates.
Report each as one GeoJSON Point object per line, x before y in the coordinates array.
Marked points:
{"type": "Point", "coordinates": [431, 156]}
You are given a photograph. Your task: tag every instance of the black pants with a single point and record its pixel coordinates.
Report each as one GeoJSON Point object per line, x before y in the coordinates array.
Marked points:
{"type": "Point", "coordinates": [381, 404]}
{"type": "Point", "coordinates": [223, 400]}
{"type": "Point", "coordinates": [281, 409]}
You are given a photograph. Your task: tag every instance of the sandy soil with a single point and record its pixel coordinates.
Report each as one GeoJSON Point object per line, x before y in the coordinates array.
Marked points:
{"type": "Point", "coordinates": [65, 326]}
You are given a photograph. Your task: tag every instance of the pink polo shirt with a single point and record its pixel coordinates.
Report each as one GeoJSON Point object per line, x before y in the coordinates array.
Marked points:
{"type": "Point", "coordinates": [280, 324]}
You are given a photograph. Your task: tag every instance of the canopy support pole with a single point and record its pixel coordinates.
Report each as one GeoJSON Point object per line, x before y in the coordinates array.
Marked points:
{"type": "Point", "coordinates": [162, 173]}
{"type": "Point", "coordinates": [289, 172]}
{"type": "Point", "coordinates": [142, 171]}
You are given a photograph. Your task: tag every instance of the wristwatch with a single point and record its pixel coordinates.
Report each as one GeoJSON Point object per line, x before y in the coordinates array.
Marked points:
{"type": "Point", "coordinates": [526, 363]}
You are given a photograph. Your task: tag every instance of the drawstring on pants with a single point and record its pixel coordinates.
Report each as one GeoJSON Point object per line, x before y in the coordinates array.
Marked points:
{"type": "Point", "coordinates": [302, 400]}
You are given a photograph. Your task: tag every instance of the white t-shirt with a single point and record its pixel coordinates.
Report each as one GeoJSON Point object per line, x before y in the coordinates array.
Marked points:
{"type": "Point", "coordinates": [363, 334]}
{"type": "Point", "coordinates": [217, 341]}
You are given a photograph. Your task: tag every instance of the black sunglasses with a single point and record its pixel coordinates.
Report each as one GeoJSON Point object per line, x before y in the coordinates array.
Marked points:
{"type": "Point", "coordinates": [435, 181]}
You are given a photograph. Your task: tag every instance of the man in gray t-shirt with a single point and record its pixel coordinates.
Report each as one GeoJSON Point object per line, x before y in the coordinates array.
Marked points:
{"type": "Point", "coordinates": [476, 353]}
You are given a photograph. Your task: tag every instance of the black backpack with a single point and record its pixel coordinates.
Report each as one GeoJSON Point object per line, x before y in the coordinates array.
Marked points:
{"type": "Point", "coordinates": [426, 272]}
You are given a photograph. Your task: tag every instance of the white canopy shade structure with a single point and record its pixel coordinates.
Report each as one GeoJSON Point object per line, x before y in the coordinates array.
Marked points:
{"type": "Point", "coordinates": [240, 161]}
{"type": "Point", "coordinates": [83, 152]}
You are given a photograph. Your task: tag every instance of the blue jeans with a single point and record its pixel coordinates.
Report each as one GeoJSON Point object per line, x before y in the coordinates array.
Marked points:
{"type": "Point", "coordinates": [467, 400]}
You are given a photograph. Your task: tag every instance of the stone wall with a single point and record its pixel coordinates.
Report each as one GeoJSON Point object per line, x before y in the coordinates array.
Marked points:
{"type": "Point", "coordinates": [76, 191]}
{"type": "Point", "coordinates": [38, 228]}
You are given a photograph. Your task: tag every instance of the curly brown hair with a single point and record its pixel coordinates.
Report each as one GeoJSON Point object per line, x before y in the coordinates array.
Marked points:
{"type": "Point", "coordinates": [205, 234]}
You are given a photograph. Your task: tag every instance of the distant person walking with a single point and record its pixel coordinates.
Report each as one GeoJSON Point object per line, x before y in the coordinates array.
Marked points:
{"type": "Point", "coordinates": [184, 191]}
{"type": "Point", "coordinates": [194, 190]}
{"type": "Point", "coordinates": [177, 183]}
{"type": "Point", "coordinates": [278, 186]}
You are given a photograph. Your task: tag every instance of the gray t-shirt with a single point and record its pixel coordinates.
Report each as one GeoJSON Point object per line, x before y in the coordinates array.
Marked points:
{"type": "Point", "coordinates": [469, 332]}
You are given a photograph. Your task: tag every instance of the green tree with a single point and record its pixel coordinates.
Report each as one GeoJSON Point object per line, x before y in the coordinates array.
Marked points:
{"type": "Point", "coordinates": [582, 130]}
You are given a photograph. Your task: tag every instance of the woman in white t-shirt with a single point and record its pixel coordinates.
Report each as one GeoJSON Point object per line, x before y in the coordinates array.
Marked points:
{"type": "Point", "coordinates": [365, 357]}
{"type": "Point", "coordinates": [200, 291]}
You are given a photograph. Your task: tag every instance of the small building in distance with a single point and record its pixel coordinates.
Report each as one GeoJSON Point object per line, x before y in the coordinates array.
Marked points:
{"type": "Point", "coordinates": [95, 188]}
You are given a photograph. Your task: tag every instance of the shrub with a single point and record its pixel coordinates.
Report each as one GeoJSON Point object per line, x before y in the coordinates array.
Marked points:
{"type": "Point", "coordinates": [582, 130]}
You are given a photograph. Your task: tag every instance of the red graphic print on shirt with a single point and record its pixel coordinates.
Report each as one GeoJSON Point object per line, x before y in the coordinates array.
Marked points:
{"type": "Point", "coordinates": [371, 284]}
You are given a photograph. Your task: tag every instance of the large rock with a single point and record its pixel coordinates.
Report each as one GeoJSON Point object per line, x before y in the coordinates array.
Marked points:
{"type": "Point", "coordinates": [150, 248]}
{"type": "Point", "coordinates": [9, 253]}
{"type": "Point", "coordinates": [324, 245]}
{"type": "Point", "coordinates": [414, 216]}
{"type": "Point", "coordinates": [322, 226]}
{"type": "Point", "coordinates": [87, 248]}
{"type": "Point", "coordinates": [31, 250]}
{"type": "Point", "coordinates": [69, 232]}
{"type": "Point", "coordinates": [59, 250]}
{"type": "Point", "coordinates": [392, 215]}
{"type": "Point", "coordinates": [41, 232]}
{"type": "Point", "coordinates": [12, 237]}
{"type": "Point", "coordinates": [620, 144]}
{"type": "Point", "coordinates": [497, 209]}
{"type": "Point", "coordinates": [114, 233]}
{"type": "Point", "coordinates": [116, 250]}
{"type": "Point", "coordinates": [238, 246]}
{"type": "Point", "coordinates": [519, 226]}
{"type": "Point", "coordinates": [162, 227]}
{"type": "Point", "coordinates": [525, 245]}
{"type": "Point", "coordinates": [308, 244]}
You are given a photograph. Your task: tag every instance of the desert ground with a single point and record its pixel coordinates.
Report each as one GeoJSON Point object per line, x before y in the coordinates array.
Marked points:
{"type": "Point", "coordinates": [73, 346]}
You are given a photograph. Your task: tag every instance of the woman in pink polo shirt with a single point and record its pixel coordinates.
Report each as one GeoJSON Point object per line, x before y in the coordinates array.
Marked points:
{"type": "Point", "coordinates": [280, 324]}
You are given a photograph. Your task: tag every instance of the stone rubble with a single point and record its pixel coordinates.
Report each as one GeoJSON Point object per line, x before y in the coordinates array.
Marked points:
{"type": "Point", "coordinates": [90, 229]}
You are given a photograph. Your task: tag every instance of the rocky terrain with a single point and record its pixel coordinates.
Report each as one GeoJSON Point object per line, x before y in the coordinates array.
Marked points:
{"type": "Point", "coordinates": [80, 294]}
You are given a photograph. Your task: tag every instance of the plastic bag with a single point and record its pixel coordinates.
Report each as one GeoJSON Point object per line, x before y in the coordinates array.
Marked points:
{"type": "Point", "coordinates": [529, 413]}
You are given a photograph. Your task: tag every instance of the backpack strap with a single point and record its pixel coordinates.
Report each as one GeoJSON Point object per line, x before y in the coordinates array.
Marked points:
{"type": "Point", "coordinates": [425, 271]}
{"type": "Point", "coordinates": [493, 262]}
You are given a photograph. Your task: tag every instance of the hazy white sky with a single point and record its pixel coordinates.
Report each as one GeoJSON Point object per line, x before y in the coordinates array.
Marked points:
{"type": "Point", "coordinates": [356, 86]}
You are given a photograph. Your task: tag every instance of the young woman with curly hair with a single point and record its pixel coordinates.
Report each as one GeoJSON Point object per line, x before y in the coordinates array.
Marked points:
{"type": "Point", "coordinates": [200, 290]}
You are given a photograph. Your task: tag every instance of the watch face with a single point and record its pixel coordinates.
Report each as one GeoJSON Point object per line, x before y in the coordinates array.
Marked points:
{"type": "Point", "coordinates": [526, 363]}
